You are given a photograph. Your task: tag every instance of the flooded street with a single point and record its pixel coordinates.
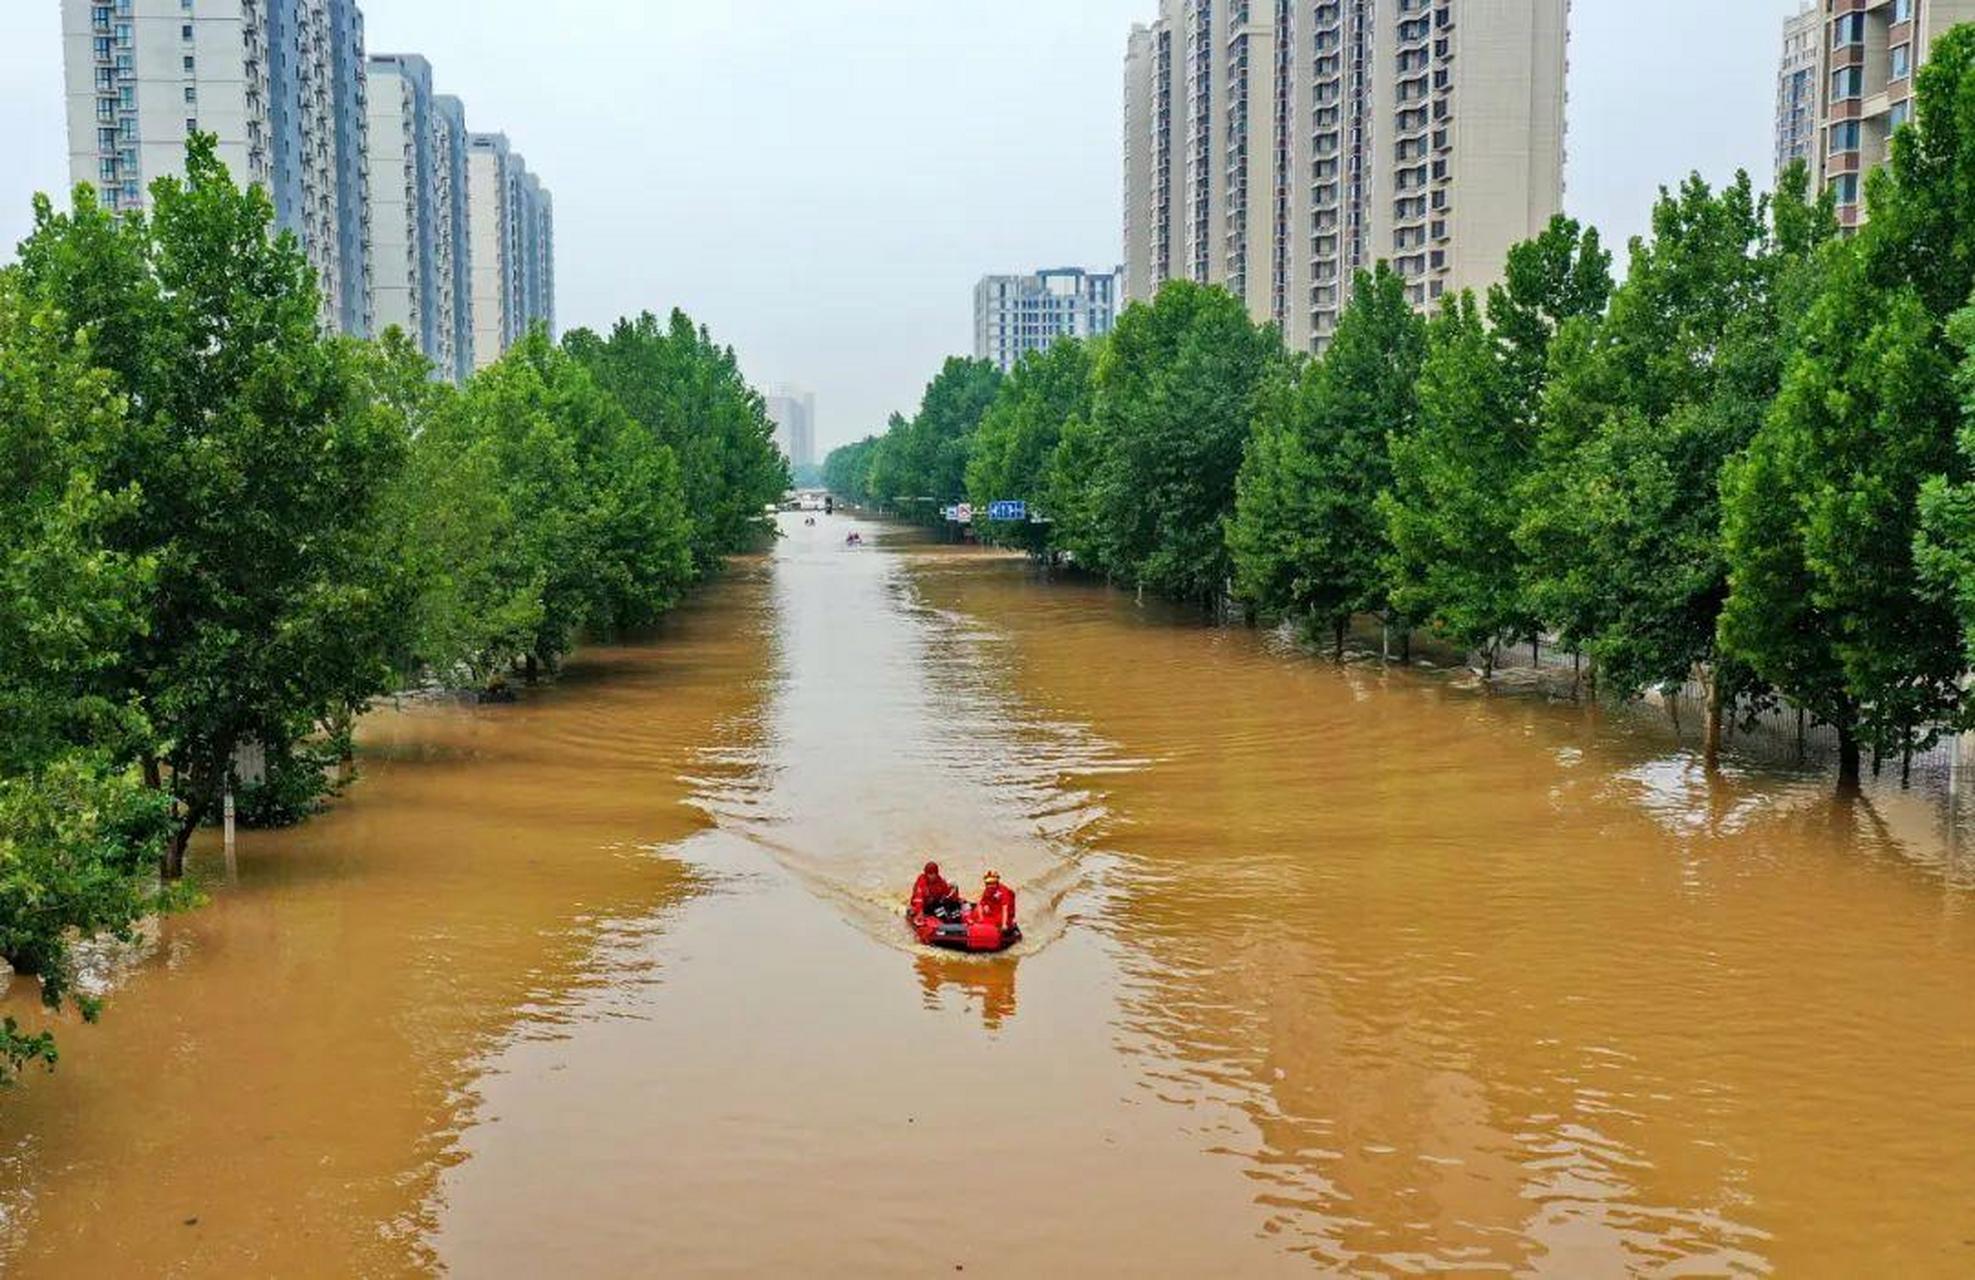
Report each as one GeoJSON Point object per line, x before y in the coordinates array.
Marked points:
{"type": "Point", "coordinates": [1326, 970]}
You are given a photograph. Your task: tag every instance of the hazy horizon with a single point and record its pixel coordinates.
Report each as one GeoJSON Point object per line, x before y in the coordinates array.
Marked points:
{"type": "Point", "coordinates": [822, 183]}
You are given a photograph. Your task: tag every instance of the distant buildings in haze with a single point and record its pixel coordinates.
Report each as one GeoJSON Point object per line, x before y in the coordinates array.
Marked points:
{"type": "Point", "coordinates": [1859, 58]}
{"type": "Point", "coordinates": [363, 161]}
{"type": "Point", "coordinates": [794, 415]}
{"type": "Point", "coordinates": [1278, 147]}
{"type": "Point", "coordinates": [1014, 315]}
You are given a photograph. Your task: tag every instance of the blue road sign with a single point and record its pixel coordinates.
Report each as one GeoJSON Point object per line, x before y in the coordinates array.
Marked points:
{"type": "Point", "coordinates": [1008, 511]}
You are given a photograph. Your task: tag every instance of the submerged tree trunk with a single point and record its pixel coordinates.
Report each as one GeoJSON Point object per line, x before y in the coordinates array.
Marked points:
{"type": "Point", "coordinates": [1711, 732]}
{"type": "Point", "coordinates": [1576, 674]}
{"type": "Point", "coordinates": [1849, 772]}
{"type": "Point", "coordinates": [1338, 628]}
{"type": "Point", "coordinates": [531, 669]}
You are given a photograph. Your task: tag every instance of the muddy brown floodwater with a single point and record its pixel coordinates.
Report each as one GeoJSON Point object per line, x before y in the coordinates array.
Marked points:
{"type": "Point", "coordinates": [1328, 970]}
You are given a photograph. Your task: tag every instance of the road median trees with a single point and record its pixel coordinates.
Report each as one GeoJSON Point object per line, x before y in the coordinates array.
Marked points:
{"type": "Point", "coordinates": [1458, 475]}
{"type": "Point", "coordinates": [1019, 434]}
{"type": "Point", "coordinates": [1822, 517]}
{"type": "Point", "coordinates": [1174, 396]}
{"type": "Point", "coordinates": [257, 463]}
{"type": "Point", "coordinates": [1450, 513]}
{"type": "Point", "coordinates": [80, 835]}
{"type": "Point", "coordinates": [1306, 536]}
{"type": "Point", "coordinates": [687, 392]}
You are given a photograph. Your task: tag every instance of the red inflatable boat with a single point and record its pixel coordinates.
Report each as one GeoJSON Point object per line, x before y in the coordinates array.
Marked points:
{"type": "Point", "coordinates": [953, 927]}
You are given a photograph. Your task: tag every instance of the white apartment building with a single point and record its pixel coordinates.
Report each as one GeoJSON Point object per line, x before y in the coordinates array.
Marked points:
{"type": "Point", "coordinates": [1014, 315]}
{"type": "Point", "coordinates": [1278, 147]}
{"type": "Point", "coordinates": [1799, 94]}
{"type": "Point", "coordinates": [1867, 52]}
{"type": "Point", "coordinates": [487, 241]}
{"type": "Point", "coordinates": [511, 244]}
{"type": "Point", "coordinates": [280, 83]}
{"type": "Point", "coordinates": [794, 414]}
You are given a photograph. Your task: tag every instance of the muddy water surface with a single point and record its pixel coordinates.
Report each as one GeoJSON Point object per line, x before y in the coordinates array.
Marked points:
{"type": "Point", "coordinates": [1327, 971]}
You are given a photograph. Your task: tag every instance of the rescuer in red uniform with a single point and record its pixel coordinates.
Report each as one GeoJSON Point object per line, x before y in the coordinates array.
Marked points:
{"type": "Point", "coordinates": [931, 890]}
{"type": "Point", "coordinates": [997, 904]}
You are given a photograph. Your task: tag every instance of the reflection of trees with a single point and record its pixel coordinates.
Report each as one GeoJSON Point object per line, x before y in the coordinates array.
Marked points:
{"type": "Point", "coordinates": [991, 982]}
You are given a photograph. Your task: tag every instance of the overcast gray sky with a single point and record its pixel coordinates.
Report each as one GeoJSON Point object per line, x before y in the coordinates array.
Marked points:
{"type": "Point", "coordinates": [822, 181]}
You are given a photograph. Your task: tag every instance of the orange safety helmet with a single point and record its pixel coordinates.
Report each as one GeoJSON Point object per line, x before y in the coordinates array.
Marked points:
{"type": "Point", "coordinates": [992, 877]}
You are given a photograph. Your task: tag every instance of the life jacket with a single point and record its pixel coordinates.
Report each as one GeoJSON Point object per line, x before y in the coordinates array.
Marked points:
{"type": "Point", "coordinates": [929, 889]}
{"type": "Point", "coordinates": [997, 906]}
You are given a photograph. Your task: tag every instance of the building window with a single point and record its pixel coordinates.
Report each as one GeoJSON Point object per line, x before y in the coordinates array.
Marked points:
{"type": "Point", "coordinates": [1902, 10]}
{"type": "Point", "coordinates": [1847, 82]}
{"type": "Point", "coordinates": [1902, 59]}
{"type": "Point", "coordinates": [1848, 30]}
{"type": "Point", "coordinates": [188, 64]}
{"type": "Point", "coordinates": [1901, 113]}
{"type": "Point", "coordinates": [1845, 187]}
{"type": "Point", "coordinates": [1844, 136]}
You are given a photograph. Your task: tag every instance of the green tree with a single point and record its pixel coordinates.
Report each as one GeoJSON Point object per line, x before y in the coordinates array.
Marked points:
{"type": "Point", "coordinates": [1458, 476]}
{"type": "Point", "coordinates": [1450, 514]}
{"type": "Point", "coordinates": [79, 835]}
{"type": "Point", "coordinates": [847, 470]}
{"type": "Point", "coordinates": [1019, 436]}
{"type": "Point", "coordinates": [449, 526]}
{"type": "Point", "coordinates": [688, 393]}
{"type": "Point", "coordinates": [1826, 599]}
{"type": "Point", "coordinates": [1946, 552]}
{"type": "Point", "coordinates": [920, 463]}
{"type": "Point", "coordinates": [1307, 536]}
{"type": "Point", "coordinates": [1622, 520]}
{"type": "Point", "coordinates": [258, 464]}
{"type": "Point", "coordinates": [1174, 394]}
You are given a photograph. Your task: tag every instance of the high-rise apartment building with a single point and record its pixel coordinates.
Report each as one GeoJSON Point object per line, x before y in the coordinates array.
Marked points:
{"type": "Point", "coordinates": [1277, 147]}
{"type": "Point", "coordinates": [794, 414]}
{"type": "Point", "coordinates": [1868, 52]}
{"type": "Point", "coordinates": [511, 241]}
{"type": "Point", "coordinates": [280, 83]}
{"type": "Point", "coordinates": [1799, 119]}
{"type": "Point", "coordinates": [1014, 315]}
{"type": "Point", "coordinates": [421, 280]}
{"type": "Point", "coordinates": [452, 287]}
{"type": "Point", "coordinates": [404, 202]}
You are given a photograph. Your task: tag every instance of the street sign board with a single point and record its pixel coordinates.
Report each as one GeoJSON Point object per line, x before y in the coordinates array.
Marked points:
{"type": "Point", "coordinates": [1009, 511]}
{"type": "Point", "coordinates": [964, 513]}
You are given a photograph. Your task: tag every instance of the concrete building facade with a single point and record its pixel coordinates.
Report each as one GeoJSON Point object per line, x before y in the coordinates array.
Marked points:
{"type": "Point", "coordinates": [452, 265]}
{"type": "Point", "coordinates": [1799, 114]}
{"type": "Point", "coordinates": [511, 242]}
{"type": "Point", "coordinates": [1277, 147]}
{"type": "Point", "coordinates": [794, 414]}
{"type": "Point", "coordinates": [404, 209]}
{"type": "Point", "coordinates": [1014, 315]}
{"type": "Point", "coordinates": [1868, 53]}
{"type": "Point", "coordinates": [280, 83]}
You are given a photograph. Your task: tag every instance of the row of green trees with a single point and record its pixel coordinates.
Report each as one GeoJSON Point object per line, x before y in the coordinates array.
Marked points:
{"type": "Point", "coordinates": [222, 528]}
{"type": "Point", "coordinates": [1748, 462]}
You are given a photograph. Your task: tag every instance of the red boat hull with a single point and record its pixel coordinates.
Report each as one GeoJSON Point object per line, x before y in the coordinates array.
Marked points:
{"type": "Point", "coordinates": [957, 930]}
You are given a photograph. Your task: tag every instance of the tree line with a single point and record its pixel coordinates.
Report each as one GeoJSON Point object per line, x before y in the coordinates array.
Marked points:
{"type": "Point", "coordinates": [1749, 462]}
{"type": "Point", "coordinates": [222, 528]}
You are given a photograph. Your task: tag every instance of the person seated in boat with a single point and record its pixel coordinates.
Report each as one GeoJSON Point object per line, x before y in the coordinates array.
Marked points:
{"type": "Point", "coordinates": [931, 891]}
{"type": "Point", "coordinates": [997, 904]}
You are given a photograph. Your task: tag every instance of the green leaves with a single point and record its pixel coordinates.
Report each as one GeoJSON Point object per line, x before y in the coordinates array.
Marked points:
{"type": "Point", "coordinates": [688, 395]}
{"type": "Point", "coordinates": [1307, 536]}
{"type": "Point", "coordinates": [1837, 594]}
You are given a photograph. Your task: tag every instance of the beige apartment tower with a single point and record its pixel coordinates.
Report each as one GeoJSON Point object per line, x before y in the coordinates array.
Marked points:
{"type": "Point", "coordinates": [1278, 147]}
{"type": "Point", "coordinates": [1865, 54]}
